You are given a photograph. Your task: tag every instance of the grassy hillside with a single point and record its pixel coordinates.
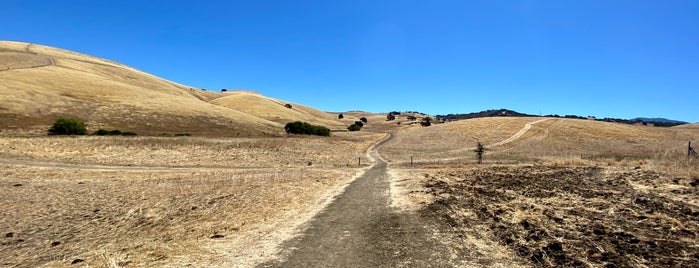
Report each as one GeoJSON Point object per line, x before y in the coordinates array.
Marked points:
{"type": "Point", "coordinates": [552, 138]}
{"type": "Point", "coordinates": [40, 84]}
{"type": "Point", "coordinates": [275, 110]}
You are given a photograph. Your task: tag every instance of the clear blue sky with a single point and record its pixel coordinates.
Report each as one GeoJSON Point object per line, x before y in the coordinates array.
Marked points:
{"type": "Point", "coordinates": [602, 58]}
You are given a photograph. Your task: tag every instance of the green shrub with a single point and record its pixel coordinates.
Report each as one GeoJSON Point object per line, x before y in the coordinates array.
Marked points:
{"type": "Point", "coordinates": [101, 132]}
{"type": "Point", "coordinates": [182, 134]}
{"type": "Point", "coordinates": [359, 123]}
{"type": "Point", "coordinates": [67, 126]}
{"type": "Point", "coordinates": [127, 133]}
{"type": "Point", "coordinates": [354, 127]}
{"type": "Point", "coordinates": [299, 127]}
{"type": "Point", "coordinates": [363, 119]}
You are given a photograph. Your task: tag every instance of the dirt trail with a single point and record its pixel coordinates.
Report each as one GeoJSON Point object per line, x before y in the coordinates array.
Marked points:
{"type": "Point", "coordinates": [360, 229]}
{"type": "Point", "coordinates": [48, 61]}
{"type": "Point", "coordinates": [517, 135]}
{"type": "Point", "coordinates": [49, 164]}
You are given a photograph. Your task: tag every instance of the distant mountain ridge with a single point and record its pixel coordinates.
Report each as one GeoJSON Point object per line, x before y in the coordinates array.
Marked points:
{"type": "Point", "coordinates": [662, 122]}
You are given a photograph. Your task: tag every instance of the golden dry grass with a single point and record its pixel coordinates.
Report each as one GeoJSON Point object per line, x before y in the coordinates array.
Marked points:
{"type": "Point", "coordinates": [146, 218]}
{"type": "Point", "coordinates": [337, 151]}
{"type": "Point", "coordinates": [40, 84]}
{"type": "Point", "coordinates": [106, 209]}
{"type": "Point", "coordinates": [274, 110]}
{"type": "Point", "coordinates": [550, 140]}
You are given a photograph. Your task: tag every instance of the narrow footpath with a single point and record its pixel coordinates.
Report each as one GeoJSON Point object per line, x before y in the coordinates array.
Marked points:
{"type": "Point", "coordinates": [360, 229]}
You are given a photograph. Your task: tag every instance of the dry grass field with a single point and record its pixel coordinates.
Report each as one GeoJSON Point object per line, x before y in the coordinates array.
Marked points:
{"type": "Point", "coordinates": [276, 110]}
{"type": "Point", "coordinates": [151, 201]}
{"type": "Point", "coordinates": [548, 140]}
{"type": "Point", "coordinates": [535, 202]}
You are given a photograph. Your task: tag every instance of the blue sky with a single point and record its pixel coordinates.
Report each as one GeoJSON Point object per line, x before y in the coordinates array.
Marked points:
{"type": "Point", "coordinates": [617, 58]}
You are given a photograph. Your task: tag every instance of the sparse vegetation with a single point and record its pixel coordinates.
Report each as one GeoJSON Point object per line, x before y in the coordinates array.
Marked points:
{"type": "Point", "coordinates": [390, 117]}
{"type": "Point", "coordinates": [68, 126]}
{"type": "Point", "coordinates": [363, 119]}
{"type": "Point", "coordinates": [288, 106]}
{"type": "Point", "coordinates": [304, 128]}
{"type": "Point", "coordinates": [412, 117]}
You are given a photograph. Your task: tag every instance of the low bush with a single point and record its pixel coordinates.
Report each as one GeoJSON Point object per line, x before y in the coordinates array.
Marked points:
{"type": "Point", "coordinates": [354, 127]}
{"type": "Point", "coordinates": [304, 128]}
{"type": "Point", "coordinates": [359, 123]}
{"type": "Point", "coordinates": [116, 132]}
{"type": "Point", "coordinates": [67, 126]}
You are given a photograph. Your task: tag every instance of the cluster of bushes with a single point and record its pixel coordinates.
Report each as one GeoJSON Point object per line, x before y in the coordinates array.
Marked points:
{"type": "Point", "coordinates": [358, 125]}
{"type": "Point", "coordinates": [304, 128]}
{"type": "Point", "coordinates": [116, 132]}
{"type": "Point", "coordinates": [72, 126]}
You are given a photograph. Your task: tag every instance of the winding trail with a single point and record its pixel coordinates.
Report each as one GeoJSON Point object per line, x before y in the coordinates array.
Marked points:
{"type": "Point", "coordinates": [360, 229]}
{"type": "Point", "coordinates": [517, 135]}
{"type": "Point", "coordinates": [48, 60]}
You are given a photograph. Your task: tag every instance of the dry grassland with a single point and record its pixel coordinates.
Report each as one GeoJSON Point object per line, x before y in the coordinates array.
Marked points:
{"type": "Point", "coordinates": [216, 212]}
{"type": "Point", "coordinates": [549, 140]}
{"type": "Point", "coordinates": [340, 150]}
{"type": "Point", "coordinates": [275, 110]}
{"type": "Point", "coordinates": [535, 202]}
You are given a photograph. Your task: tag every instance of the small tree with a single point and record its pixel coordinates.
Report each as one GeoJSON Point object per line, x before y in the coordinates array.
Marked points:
{"type": "Point", "coordinates": [412, 118]}
{"type": "Point", "coordinates": [390, 117]}
{"type": "Point", "coordinates": [67, 126]}
{"type": "Point", "coordinates": [359, 123]}
{"type": "Point", "coordinates": [354, 127]}
{"type": "Point", "coordinates": [426, 122]}
{"type": "Point", "coordinates": [224, 90]}
{"type": "Point", "coordinates": [363, 119]}
{"type": "Point", "coordinates": [288, 106]}
{"type": "Point", "coordinates": [340, 116]}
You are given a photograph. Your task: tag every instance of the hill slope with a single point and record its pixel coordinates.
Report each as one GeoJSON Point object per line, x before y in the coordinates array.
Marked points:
{"type": "Point", "coordinates": [276, 110]}
{"type": "Point", "coordinates": [547, 138]}
{"type": "Point", "coordinates": [39, 84]}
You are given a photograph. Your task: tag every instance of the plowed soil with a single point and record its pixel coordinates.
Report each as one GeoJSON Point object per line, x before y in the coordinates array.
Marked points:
{"type": "Point", "coordinates": [572, 216]}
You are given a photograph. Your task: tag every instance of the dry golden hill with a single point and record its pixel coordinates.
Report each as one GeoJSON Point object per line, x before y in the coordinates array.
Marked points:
{"type": "Point", "coordinates": [276, 110]}
{"type": "Point", "coordinates": [39, 84]}
{"type": "Point", "coordinates": [547, 138]}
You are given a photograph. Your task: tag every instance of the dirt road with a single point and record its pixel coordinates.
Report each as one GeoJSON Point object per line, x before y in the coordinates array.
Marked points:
{"type": "Point", "coordinates": [360, 229]}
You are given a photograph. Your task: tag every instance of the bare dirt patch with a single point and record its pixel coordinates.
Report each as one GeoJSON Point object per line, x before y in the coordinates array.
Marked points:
{"type": "Point", "coordinates": [570, 216]}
